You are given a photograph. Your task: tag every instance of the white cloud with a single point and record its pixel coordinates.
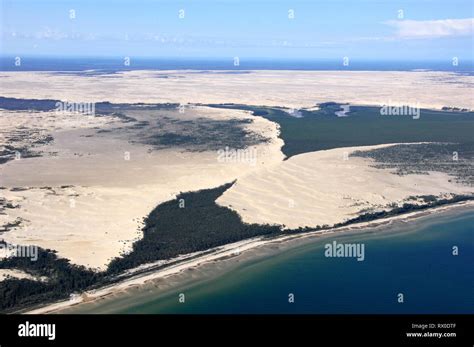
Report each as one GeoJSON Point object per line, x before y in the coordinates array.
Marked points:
{"type": "Point", "coordinates": [433, 28]}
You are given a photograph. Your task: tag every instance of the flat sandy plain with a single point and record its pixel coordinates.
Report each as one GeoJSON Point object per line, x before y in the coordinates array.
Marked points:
{"type": "Point", "coordinates": [292, 89]}
{"type": "Point", "coordinates": [95, 200]}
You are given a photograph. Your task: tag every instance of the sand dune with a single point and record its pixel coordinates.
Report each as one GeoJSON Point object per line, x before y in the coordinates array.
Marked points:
{"type": "Point", "coordinates": [87, 202]}
{"type": "Point", "coordinates": [321, 187]}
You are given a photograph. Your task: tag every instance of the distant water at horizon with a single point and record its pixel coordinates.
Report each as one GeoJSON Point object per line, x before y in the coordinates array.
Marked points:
{"type": "Point", "coordinates": [414, 258]}
{"type": "Point", "coordinates": [108, 65]}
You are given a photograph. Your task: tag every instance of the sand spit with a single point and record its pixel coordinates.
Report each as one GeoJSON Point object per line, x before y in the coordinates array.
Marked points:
{"type": "Point", "coordinates": [291, 89]}
{"type": "Point", "coordinates": [86, 200]}
{"type": "Point", "coordinates": [327, 187]}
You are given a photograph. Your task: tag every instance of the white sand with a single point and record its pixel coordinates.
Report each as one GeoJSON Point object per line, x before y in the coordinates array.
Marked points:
{"type": "Point", "coordinates": [10, 273]}
{"type": "Point", "coordinates": [100, 215]}
{"type": "Point", "coordinates": [321, 187]}
{"type": "Point", "coordinates": [292, 89]}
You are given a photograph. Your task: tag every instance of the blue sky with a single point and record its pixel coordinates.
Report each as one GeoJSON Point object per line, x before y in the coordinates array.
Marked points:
{"type": "Point", "coordinates": [365, 29]}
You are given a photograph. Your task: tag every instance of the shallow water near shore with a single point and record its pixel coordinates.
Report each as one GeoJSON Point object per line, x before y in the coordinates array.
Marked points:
{"type": "Point", "coordinates": [413, 258]}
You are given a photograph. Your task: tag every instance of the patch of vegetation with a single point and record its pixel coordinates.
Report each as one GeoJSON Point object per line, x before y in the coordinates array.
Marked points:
{"type": "Point", "coordinates": [322, 129]}
{"type": "Point", "coordinates": [6, 204]}
{"type": "Point", "coordinates": [171, 229]}
{"type": "Point", "coordinates": [10, 225]}
{"type": "Point", "coordinates": [405, 208]}
{"type": "Point", "coordinates": [63, 279]}
{"type": "Point", "coordinates": [22, 142]}
{"type": "Point", "coordinates": [105, 107]}
{"type": "Point", "coordinates": [120, 110]}
{"type": "Point", "coordinates": [13, 104]}
{"type": "Point", "coordinates": [455, 159]}
{"type": "Point", "coordinates": [201, 134]}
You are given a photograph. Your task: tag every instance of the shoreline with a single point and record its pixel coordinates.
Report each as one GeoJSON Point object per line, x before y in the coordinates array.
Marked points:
{"type": "Point", "coordinates": [233, 253]}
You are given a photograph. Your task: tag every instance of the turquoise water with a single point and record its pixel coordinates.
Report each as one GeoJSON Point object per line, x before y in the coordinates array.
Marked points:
{"type": "Point", "coordinates": [414, 259]}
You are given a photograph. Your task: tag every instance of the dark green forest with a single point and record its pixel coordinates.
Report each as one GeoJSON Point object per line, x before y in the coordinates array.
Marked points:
{"type": "Point", "coordinates": [322, 129]}
{"type": "Point", "coordinates": [201, 224]}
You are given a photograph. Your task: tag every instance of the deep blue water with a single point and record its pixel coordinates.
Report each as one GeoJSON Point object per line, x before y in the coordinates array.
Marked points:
{"type": "Point", "coordinates": [117, 64]}
{"type": "Point", "coordinates": [414, 259]}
